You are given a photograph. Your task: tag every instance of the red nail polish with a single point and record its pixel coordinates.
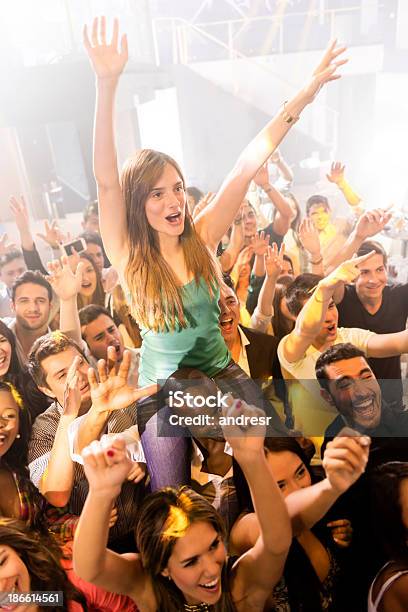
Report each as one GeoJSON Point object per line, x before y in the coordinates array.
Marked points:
{"type": "Point", "coordinates": [110, 453]}
{"type": "Point", "coordinates": [238, 405]}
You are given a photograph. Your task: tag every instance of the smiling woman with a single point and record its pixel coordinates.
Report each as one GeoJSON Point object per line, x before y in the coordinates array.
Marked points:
{"type": "Point", "coordinates": [91, 291]}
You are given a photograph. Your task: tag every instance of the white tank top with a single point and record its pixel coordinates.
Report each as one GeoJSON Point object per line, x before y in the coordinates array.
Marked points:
{"type": "Point", "coordinates": [373, 607]}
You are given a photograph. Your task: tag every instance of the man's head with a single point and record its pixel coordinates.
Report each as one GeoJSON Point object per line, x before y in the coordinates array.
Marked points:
{"type": "Point", "coordinates": [31, 296]}
{"type": "Point", "coordinates": [94, 248]}
{"type": "Point", "coordinates": [90, 221]}
{"type": "Point", "coordinates": [318, 210]}
{"type": "Point", "coordinates": [229, 313]}
{"type": "Point", "coordinates": [100, 331]}
{"type": "Point", "coordinates": [194, 195]}
{"type": "Point", "coordinates": [348, 383]}
{"type": "Point", "coordinates": [12, 265]}
{"type": "Point", "coordinates": [373, 272]}
{"type": "Point", "coordinates": [298, 293]}
{"type": "Point", "coordinates": [49, 361]}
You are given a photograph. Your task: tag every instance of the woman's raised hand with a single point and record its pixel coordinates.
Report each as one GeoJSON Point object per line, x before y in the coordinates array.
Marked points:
{"type": "Point", "coordinates": [107, 60]}
{"type": "Point", "coordinates": [106, 468]}
{"type": "Point", "coordinates": [326, 70]}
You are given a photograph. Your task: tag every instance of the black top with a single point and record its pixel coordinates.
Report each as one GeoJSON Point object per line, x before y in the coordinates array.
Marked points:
{"type": "Point", "coordinates": [390, 318]}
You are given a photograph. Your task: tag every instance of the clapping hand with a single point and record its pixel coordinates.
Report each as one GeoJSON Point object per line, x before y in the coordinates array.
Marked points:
{"type": "Point", "coordinates": [107, 61]}
{"type": "Point", "coordinates": [345, 459]}
{"type": "Point", "coordinates": [274, 260]}
{"type": "Point", "coordinates": [113, 392]}
{"type": "Point", "coordinates": [64, 281]}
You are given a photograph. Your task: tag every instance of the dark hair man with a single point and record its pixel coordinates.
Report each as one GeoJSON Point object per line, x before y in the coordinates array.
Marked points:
{"type": "Point", "coordinates": [370, 303]}
{"type": "Point", "coordinates": [12, 265]}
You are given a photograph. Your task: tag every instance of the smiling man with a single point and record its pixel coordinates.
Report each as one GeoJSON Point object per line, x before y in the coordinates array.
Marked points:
{"type": "Point", "coordinates": [31, 299]}
{"type": "Point", "coordinates": [312, 301]}
{"type": "Point", "coordinates": [370, 303]}
{"type": "Point", "coordinates": [54, 360]}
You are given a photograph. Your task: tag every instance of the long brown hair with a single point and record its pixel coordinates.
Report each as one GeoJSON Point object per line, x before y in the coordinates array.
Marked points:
{"type": "Point", "coordinates": [156, 297]}
{"type": "Point", "coordinates": [42, 557]}
{"type": "Point", "coordinates": [165, 516]}
{"type": "Point", "coordinates": [98, 296]}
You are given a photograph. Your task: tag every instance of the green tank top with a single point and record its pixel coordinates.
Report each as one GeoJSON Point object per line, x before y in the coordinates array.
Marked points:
{"type": "Point", "coordinates": [200, 345]}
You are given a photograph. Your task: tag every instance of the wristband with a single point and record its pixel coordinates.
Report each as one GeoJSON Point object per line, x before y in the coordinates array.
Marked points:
{"type": "Point", "coordinates": [287, 117]}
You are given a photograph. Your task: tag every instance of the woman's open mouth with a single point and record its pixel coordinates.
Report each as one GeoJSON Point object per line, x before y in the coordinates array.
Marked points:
{"type": "Point", "coordinates": [212, 586]}
{"type": "Point", "coordinates": [175, 218]}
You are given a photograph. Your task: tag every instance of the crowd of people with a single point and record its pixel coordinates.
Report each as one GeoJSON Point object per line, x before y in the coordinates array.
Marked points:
{"type": "Point", "coordinates": [202, 408]}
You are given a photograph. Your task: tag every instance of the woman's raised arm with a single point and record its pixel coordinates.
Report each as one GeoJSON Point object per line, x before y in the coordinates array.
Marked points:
{"type": "Point", "coordinates": [108, 62]}
{"type": "Point", "coordinates": [216, 218]}
{"type": "Point", "coordinates": [106, 470]}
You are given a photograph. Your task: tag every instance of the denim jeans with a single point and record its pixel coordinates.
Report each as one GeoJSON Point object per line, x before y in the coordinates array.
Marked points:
{"type": "Point", "coordinates": [167, 451]}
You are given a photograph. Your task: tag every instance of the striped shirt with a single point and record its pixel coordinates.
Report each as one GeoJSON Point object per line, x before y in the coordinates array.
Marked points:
{"type": "Point", "coordinates": [39, 452]}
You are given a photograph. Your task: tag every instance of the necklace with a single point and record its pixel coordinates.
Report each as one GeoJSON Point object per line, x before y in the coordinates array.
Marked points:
{"type": "Point", "coordinates": [202, 607]}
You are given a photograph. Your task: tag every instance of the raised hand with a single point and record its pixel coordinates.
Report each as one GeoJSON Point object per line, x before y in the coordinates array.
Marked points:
{"type": "Point", "coordinates": [244, 257]}
{"type": "Point", "coordinates": [372, 222]}
{"type": "Point", "coordinates": [107, 61]}
{"type": "Point", "coordinates": [137, 472]}
{"type": "Point", "coordinates": [6, 246]}
{"type": "Point", "coordinates": [309, 237]}
{"type": "Point", "coordinates": [336, 173]}
{"type": "Point", "coordinates": [20, 213]}
{"type": "Point", "coordinates": [243, 426]}
{"type": "Point", "coordinates": [112, 392]}
{"type": "Point", "coordinates": [345, 459]}
{"type": "Point", "coordinates": [345, 273]}
{"type": "Point", "coordinates": [342, 532]}
{"type": "Point", "coordinates": [72, 394]}
{"type": "Point", "coordinates": [274, 260]}
{"type": "Point", "coordinates": [64, 281]}
{"type": "Point", "coordinates": [261, 178]}
{"type": "Point", "coordinates": [260, 244]}
{"type": "Point", "coordinates": [326, 70]}
{"type": "Point", "coordinates": [203, 203]}
{"type": "Point", "coordinates": [106, 468]}
{"type": "Point", "coordinates": [52, 234]}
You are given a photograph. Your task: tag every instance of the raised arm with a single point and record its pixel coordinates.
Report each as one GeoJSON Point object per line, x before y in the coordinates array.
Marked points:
{"type": "Point", "coordinates": [309, 238]}
{"type": "Point", "coordinates": [273, 268]}
{"type": "Point", "coordinates": [108, 63]}
{"type": "Point", "coordinates": [344, 461]}
{"type": "Point", "coordinates": [284, 212]}
{"type": "Point", "coordinates": [336, 176]}
{"type": "Point", "coordinates": [58, 479]}
{"type": "Point", "coordinates": [368, 225]}
{"type": "Point", "coordinates": [260, 568]}
{"type": "Point", "coordinates": [111, 392]}
{"type": "Point", "coordinates": [284, 170]}
{"type": "Point", "coordinates": [313, 313]}
{"type": "Point", "coordinates": [214, 221]}
{"type": "Point", "coordinates": [67, 285]}
{"type": "Point", "coordinates": [106, 470]}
